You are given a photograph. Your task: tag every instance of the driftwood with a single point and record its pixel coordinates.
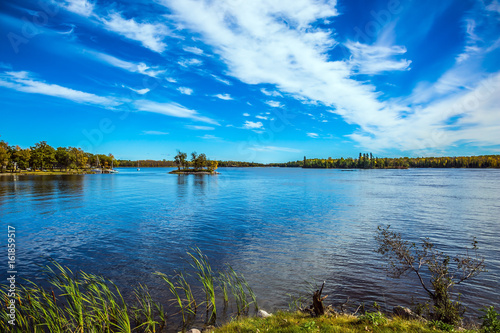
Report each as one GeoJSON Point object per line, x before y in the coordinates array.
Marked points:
{"type": "Point", "coordinates": [317, 308]}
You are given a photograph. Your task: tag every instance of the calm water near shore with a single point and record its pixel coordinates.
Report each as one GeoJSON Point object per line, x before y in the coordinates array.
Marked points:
{"type": "Point", "coordinates": [279, 227]}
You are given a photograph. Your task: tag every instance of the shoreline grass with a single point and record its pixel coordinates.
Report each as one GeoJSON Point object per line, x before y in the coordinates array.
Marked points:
{"type": "Point", "coordinates": [82, 302]}
{"type": "Point", "coordinates": [334, 323]}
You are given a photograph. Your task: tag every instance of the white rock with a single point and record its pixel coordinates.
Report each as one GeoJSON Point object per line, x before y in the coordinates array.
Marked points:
{"type": "Point", "coordinates": [194, 330]}
{"type": "Point", "coordinates": [263, 314]}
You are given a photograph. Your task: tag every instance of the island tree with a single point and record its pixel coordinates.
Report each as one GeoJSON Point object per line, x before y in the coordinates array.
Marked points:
{"type": "Point", "coordinates": [180, 159]}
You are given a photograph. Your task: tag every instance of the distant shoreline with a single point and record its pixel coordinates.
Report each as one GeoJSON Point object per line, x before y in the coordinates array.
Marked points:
{"type": "Point", "coordinates": [46, 173]}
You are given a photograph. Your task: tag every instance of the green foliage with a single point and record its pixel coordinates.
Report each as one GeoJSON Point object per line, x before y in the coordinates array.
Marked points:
{"type": "Point", "coordinates": [404, 257]}
{"type": "Point", "coordinates": [310, 326]}
{"type": "Point", "coordinates": [4, 154]}
{"type": "Point", "coordinates": [81, 302]}
{"type": "Point", "coordinates": [373, 318]}
{"type": "Point", "coordinates": [438, 324]}
{"type": "Point", "coordinates": [43, 155]}
{"type": "Point", "coordinates": [491, 321]}
{"type": "Point", "coordinates": [299, 322]}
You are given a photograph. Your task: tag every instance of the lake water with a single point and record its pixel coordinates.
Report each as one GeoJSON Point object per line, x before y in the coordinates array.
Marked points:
{"type": "Point", "coordinates": [279, 227]}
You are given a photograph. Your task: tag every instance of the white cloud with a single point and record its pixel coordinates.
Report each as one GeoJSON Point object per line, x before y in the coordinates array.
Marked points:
{"type": "Point", "coordinates": [154, 133]}
{"type": "Point", "coordinates": [80, 7]}
{"type": "Point", "coordinates": [218, 78]}
{"type": "Point", "coordinates": [246, 114]}
{"type": "Point", "coordinates": [274, 104]}
{"type": "Point", "coordinates": [171, 79]}
{"type": "Point", "coordinates": [185, 90]}
{"type": "Point", "coordinates": [312, 135]}
{"type": "Point", "coordinates": [374, 59]}
{"type": "Point", "coordinates": [225, 97]}
{"type": "Point", "coordinates": [139, 91]}
{"type": "Point", "coordinates": [150, 35]}
{"type": "Point", "coordinates": [172, 109]}
{"type": "Point", "coordinates": [252, 125]}
{"type": "Point", "coordinates": [200, 128]}
{"type": "Point", "coordinates": [209, 137]}
{"type": "Point", "coordinates": [132, 67]}
{"type": "Point", "coordinates": [261, 117]}
{"type": "Point", "coordinates": [271, 93]}
{"type": "Point", "coordinates": [472, 39]}
{"type": "Point", "coordinates": [465, 116]}
{"type": "Point", "coordinates": [193, 49]}
{"type": "Point", "coordinates": [289, 53]}
{"type": "Point", "coordinates": [190, 62]}
{"type": "Point", "coordinates": [281, 44]}
{"type": "Point", "coordinates": [274, 148]}
{"type": "Point", "coordinates": [494, 6]}
{"type": "Point", "coordinates": [24, 82]}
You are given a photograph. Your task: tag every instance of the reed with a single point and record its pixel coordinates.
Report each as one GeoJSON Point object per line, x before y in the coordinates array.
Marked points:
{"type": "Point", "coordinates": [148, 314]}
{"type": "Point", "coordinates": [205, 275]}
{"type": "Point", "coordinates": [79, 302]}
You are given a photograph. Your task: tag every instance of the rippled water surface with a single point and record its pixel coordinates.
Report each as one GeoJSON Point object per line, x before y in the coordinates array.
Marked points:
{"type": "Point", "coordinates": [279, 227]}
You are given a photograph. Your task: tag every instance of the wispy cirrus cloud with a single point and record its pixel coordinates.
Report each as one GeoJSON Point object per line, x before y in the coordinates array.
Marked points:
{"type": "Point", "coordinates": [173, 110]}
{"type": "Point", "coordinates": [133, 67]}
{"type": "Point", "coordinates": [193, 49]}
{"type": "Point", "coordinates": [375, 59]}
{"type": "Point", "coordinates": [274, 104]}
{"type": "Point", "coordinates": [150, 35]}
{"type": "Point", "coordinates": [185, 90]}
{"type": "Point", "coordinates": [274, 149]}
{"type": "Point", "coordinates": [252, 125]}
{"type": "Point", "coordinates": [26, 82]}
{"type": "Point", "coordinates": [154, 133]}
{"type": "Point", "coordinates": [313, 135]}
{"type": "Point", "coordinates": [225, 97]}
{"type": "Point", "coordinates": [272, 93]}
{"type": "Point", "coordinates": [190, 62]}
{"type": "Point", "coordinates": [80, 7]}
{"type": "Point", "coordinates": [210, 137]}
{"type": "Point", "coordinates": [138, 91]}
{"type": "Point", "coordinates": [292, 53]}
{"type": "Point", "coordinates": [218, 78]}
{"type": "Point", "coordinates": [200, 128]}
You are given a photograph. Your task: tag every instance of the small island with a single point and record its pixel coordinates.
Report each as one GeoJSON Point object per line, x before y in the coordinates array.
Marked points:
{"type": "Point", "coordinates": [199, 163]}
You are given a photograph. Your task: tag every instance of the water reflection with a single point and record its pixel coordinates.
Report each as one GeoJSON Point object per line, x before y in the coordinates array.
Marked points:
{"type": "Point", "coordinates": [279, 227]}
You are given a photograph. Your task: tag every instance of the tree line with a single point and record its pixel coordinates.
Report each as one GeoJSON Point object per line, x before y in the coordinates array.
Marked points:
{"type": "Point", "coordinates": [368, 161]}
{"type": "Point", "coordinates": [147, 163]}
{"type": "Point", "coordinates": [42, 156]}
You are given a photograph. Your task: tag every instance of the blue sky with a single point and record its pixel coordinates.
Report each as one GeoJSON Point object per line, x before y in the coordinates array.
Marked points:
{"type": "Point", "coordinates": [265, 81]}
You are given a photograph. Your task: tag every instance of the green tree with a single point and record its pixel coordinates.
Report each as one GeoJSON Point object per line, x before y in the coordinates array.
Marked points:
{"type": "Point", "coordinates": [62, 157]}
{"type": "Point", "coordinates": [201, 161]}
{"type": "Point", "coordinates": [445, 271]}
{"type": "Point", "coordinates": [4, 154]}
{"type": "Point", "coordinates": [194, 156]}
{"type": "Point", "coordinates": [212, 165]}
{"type": "Point", "coordinates": [22, 157]}
{"type": "Point", "coordinates": [180, 159]}
{"type": "Point", "coordinates": [78, 158]}
{"type": "Point", "coordinates": [43, 155]}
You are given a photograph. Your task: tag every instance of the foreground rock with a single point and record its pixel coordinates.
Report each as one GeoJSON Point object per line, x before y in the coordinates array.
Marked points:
{"type": "Point", "coordinates": [405, 313]}
{"type": "Point", "coordinates": [263, 314]}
